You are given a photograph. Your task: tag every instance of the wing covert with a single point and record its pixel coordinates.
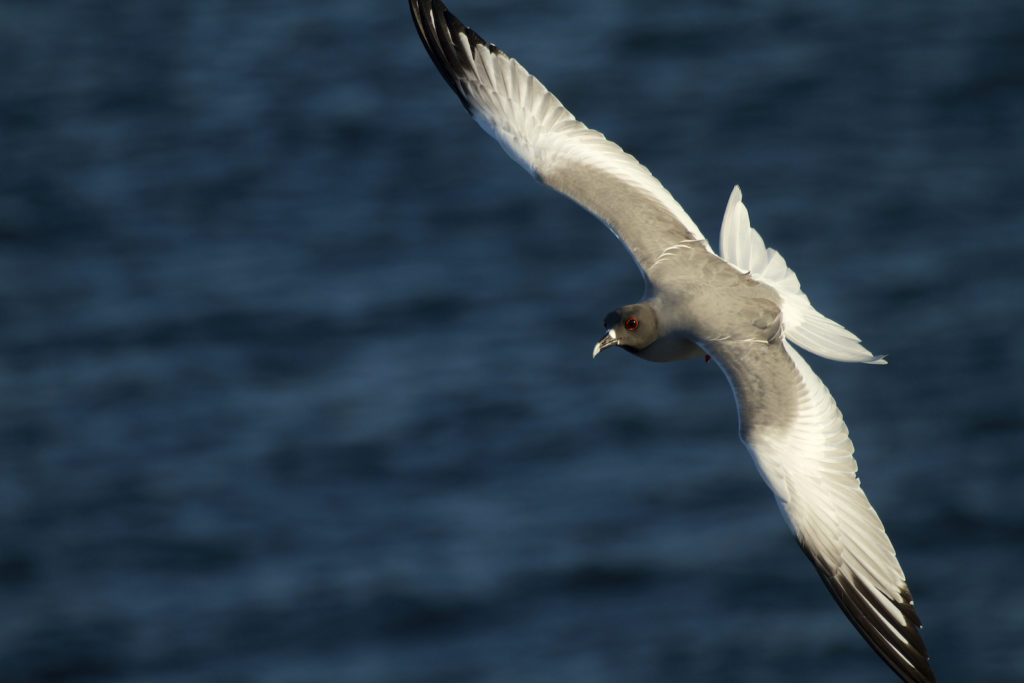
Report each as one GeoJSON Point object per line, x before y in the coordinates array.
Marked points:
{"type": "Point", "coordinates": [793, 429]}
{"type": "Point", "coordinates": [536, 130]}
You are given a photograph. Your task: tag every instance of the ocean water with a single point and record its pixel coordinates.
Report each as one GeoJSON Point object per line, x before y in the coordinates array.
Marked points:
{"type": "Point", "coordinates": [295, 375]}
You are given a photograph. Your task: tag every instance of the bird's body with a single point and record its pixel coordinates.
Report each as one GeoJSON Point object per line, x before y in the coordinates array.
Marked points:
{"type": "Point", "coordinates": [744, 308]}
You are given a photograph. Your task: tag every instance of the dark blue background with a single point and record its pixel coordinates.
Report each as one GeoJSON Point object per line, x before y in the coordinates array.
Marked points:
{"type": "Point", "coordinates": [296, 380]}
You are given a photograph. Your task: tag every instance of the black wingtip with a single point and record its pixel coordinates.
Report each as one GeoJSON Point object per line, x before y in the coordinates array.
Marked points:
{"type": "Point", "coordinates": [909, 660]}
{"type": "Point", "coordinates": [440, 31]}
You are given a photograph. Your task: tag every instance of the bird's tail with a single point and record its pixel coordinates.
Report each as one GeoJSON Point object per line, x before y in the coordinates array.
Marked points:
{"type": "Point", "coordinates": [743, 247]}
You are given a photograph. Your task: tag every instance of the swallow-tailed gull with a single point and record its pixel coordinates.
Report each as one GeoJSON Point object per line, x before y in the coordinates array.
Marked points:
{"type": "Point", "coordinates": [745, 309]}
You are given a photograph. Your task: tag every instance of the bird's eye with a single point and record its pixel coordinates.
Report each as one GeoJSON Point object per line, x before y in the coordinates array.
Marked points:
{"type": "Point", "coordinates": [631, 324]}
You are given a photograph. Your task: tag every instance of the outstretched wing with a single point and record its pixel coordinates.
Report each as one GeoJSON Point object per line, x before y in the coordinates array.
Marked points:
{"type": "Point", "coordinates": [796, 434]}
{"type": "Point", "coordinates": [543, 137]}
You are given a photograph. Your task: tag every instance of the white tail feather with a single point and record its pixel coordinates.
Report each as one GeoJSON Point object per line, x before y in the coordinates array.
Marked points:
{"type": "Point", "coordinates": [801, 323]}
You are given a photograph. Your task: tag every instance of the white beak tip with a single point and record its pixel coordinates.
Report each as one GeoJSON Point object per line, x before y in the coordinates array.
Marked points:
{"type": "Point", "coordinates": [606, 341]}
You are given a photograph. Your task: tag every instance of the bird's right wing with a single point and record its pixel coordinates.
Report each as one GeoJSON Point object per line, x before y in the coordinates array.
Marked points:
{"type": "Point", "coordinates": [796, 434]}
{"type": "Point", "coordinates": [543, 137]}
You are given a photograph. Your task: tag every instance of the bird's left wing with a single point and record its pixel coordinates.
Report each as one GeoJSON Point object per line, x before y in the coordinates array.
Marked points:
{"type": "Point", "coordinates": [796, 434]}
{"type": "Point", "coordinates": [543, 137]}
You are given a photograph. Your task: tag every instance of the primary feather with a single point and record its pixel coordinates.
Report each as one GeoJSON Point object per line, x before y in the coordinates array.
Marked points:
{"type": "Point", "coordinates": [788, 419]}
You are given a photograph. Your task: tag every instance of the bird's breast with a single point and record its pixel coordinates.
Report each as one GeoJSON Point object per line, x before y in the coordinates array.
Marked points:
{"type": "Point", "coordinates": [737, 310]}
{"type": "Point", "coordinates": [669, 348]}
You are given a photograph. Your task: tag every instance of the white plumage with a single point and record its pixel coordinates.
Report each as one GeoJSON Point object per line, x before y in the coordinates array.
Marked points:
{"type": "Point", "coordinates": [746, 309]}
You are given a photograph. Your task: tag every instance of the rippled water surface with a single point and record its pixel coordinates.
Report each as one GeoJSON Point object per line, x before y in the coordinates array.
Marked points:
{"type": "Point", "coordinates": [295, 375]}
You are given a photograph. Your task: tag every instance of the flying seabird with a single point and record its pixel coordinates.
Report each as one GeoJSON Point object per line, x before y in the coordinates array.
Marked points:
{"type": "Point", "coordinates": [744, 308]}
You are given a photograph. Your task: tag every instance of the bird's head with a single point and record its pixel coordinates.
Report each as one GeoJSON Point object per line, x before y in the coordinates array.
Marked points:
{"type": "Point", "coordinates": [633, 327]}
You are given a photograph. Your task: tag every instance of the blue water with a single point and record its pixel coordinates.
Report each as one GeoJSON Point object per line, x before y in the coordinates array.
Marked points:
{"type": "Point", "coordinates": [295, 375]}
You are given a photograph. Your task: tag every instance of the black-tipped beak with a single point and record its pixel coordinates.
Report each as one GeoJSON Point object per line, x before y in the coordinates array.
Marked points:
{"type": "Point", "coordinates": [606, 341]}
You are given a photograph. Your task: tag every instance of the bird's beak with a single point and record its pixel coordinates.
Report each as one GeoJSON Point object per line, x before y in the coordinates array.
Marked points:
{"type": "Point", "coordinates": [606, 341]}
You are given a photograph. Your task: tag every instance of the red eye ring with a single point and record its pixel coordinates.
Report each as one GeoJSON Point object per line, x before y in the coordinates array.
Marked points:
{"type": "Point", "coordinates": [631, 324]}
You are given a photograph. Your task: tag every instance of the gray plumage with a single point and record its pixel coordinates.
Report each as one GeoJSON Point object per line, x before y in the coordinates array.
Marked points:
{"type": "Point", "coordinates": [745, 309]}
